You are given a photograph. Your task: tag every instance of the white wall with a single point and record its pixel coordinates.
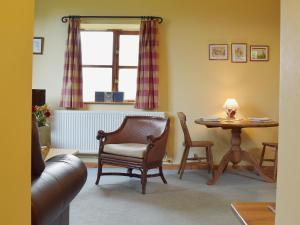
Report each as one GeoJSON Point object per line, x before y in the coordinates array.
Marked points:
{"type": "Point", "coordinates": [288, 187]}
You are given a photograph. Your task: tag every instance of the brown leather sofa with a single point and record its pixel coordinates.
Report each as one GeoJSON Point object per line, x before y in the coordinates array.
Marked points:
{"type": "Point", "coordinates": [54, 184]}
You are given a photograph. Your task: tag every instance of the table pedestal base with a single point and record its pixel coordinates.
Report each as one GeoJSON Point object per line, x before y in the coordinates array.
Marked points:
{"type": "Point", "coordinates": [236, 155]}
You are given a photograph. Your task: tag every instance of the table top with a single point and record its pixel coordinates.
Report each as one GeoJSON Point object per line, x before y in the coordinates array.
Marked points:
{"type": "Point", "coordinates": [240, 123]}
{"type": "Point", "coordinates": [255, 213]}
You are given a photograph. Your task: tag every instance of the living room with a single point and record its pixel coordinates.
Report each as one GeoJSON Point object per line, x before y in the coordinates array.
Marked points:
{"type": "Point", "coordinates": [187, 78]}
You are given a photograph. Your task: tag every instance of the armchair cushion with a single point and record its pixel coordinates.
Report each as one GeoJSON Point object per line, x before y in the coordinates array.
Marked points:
{"type": "Point", "coordinates": [126, 149]}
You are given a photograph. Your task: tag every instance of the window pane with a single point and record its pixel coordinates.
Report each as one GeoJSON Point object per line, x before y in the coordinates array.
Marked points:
{"type": "Point", "coordinates": [95, 79]}
{"type": "Point", "coordinates": [127, 83]}
{"type": "Point", "coordinates": [97, 47]}
{"type": "Point", "coordinates": [129, 49]}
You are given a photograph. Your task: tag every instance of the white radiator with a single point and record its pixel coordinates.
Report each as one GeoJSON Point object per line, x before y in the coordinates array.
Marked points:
{"type": "Point", "coordinates": [78, 129]}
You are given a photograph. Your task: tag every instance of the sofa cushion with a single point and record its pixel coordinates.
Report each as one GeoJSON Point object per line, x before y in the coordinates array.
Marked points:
{"type": "Point", "coordinates": [126, 149]}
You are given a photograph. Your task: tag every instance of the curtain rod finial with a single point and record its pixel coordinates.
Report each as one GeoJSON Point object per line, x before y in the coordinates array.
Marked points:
{"type": "Point", "coordinates": [64, 19]}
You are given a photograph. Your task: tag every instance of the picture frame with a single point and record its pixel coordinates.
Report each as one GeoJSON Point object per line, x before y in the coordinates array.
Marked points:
{"type": "Point", "coordinates": [239, 52]}
{"type": "Point", "coordinates": [259, 53]}
{"type": "Point", "coordinates": [38, 45]}
{"type": "Point", "coordinates": [218, 51]}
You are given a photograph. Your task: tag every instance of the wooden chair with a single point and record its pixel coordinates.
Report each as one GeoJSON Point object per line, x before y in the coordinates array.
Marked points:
{"type": "Point", "coordinates": [139, 143]}
{"type": "Point", "coordinates": [188, 143]}
{"type": "Point", "coordinates": [274, 146]}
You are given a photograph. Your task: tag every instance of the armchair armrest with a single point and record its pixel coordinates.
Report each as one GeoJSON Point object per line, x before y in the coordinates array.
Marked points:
{"type": "Point", "coordinates": [151, 139]}
{"type": "Point", "coordinates": [109, 137]}
{"type": "Point", "coordinates": [55, 188]}
{"type": "Point", "coordinates": [101, 135]}
{"type": "Point", "coordinates": [156, 147]}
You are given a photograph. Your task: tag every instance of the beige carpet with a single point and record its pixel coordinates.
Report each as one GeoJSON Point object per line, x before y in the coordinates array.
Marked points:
{"type": "Point", "coordinates": [118, 201]}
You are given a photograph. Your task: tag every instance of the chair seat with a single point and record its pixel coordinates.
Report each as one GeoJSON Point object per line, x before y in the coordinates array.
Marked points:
{"type": "Point", "coordinates": [126, 149]}
{"type": "Point", "coordinates": [271, 144]}
{"type": "Point", "coordinates": [202, 143]}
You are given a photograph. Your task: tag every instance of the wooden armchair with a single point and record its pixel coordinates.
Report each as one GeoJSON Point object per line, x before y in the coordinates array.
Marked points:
{"type": "Point", "coordinates": [139, 143]}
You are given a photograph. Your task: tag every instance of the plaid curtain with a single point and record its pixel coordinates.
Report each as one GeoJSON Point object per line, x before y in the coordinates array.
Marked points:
{"type": "Point", "coordinates": [147, 81]}
{"type": "Point", "coordinates": [71, 95]}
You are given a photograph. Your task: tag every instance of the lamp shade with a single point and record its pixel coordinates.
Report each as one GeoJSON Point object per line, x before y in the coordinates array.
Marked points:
{"type": "Point", "coordinates": [230, 103]}
{"type": "Point", "coordinates": [230, 107]}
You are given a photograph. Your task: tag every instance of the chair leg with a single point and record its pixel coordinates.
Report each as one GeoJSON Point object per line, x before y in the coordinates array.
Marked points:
{"type": "Point", "coordinates": [208, 159]}
{"type": "Point", "coordinates": [225, 168]}
{"type": "Point", "coordinates": [182, 159]}
{"type": "Point", "coordinates": [275, 164]}
{"type": "Point", "coordinates": [162, 175]}
{"type": "Point", "coordinates": [99, 173]}
{"type": "Point", "coordinates": [144, 181]}
{"type": "Point", "coordinates": [262, 156]}
{"type": "Point", "coordinates": [211, 160]}
{"type": "Point", "coordinates": [184, 162]}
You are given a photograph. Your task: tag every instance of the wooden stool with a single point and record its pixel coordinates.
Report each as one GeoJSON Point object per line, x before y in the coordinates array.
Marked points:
{"type": "Point", "coordinates": [274, 146]}
{"type": "Point", "coordinates": [188, 143]}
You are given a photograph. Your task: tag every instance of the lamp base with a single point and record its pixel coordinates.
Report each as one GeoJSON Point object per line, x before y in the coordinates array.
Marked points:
{"type": "Point", "coordinates": [231, 114]}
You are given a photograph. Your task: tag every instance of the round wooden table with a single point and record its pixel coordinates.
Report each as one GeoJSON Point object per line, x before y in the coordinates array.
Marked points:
{"type": "Point", "coordinates": [236, 154]}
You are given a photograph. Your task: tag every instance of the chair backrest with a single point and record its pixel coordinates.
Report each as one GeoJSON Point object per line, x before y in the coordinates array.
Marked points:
{"type": "Point", "coordinates": [186, 133]}
{"type": "Point", "coordinates": [135, 129]}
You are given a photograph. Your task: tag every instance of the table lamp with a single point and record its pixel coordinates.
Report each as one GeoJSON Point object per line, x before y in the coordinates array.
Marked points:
{"type": "Point", "coordinates": [230, 107]}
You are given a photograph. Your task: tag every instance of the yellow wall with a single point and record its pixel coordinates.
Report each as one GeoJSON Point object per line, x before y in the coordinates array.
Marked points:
{"type": "Point", "coordinates": [15, 93]}
{"type": "Point", "coordinates": [288, 194]}
{"type": "Point", "coordinates": [189, 82]}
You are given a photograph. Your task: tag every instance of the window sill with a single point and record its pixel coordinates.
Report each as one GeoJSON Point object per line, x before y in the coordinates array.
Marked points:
{"type": "Point", "coordinates": [112, 103]}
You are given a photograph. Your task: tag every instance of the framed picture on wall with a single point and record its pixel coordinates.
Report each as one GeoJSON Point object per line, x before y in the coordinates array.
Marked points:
{"type": "Point", "coordinates": [218, 51]}
{"type": "Point", "coordinates": [239, 52]}
{"type": "Point", "coordinates": [38, 45]}
{"type": "Point", "coordinates": [259, 53]}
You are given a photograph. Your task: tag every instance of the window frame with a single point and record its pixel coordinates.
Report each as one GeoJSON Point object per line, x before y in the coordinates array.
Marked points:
{"type": "Point", "coordinates": [115, 56]}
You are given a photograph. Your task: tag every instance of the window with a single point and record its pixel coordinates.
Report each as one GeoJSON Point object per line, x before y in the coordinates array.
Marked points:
{"type": "Point", "coordinates": [109, 62]}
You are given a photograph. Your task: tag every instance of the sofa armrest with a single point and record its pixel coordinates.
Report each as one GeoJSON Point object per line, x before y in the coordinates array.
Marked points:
{"type": "Point", "coordinates": [56, 187]}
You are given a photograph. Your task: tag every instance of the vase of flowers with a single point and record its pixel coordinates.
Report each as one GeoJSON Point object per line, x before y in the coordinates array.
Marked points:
{"type": "Point", "coordinates": [43, 116]}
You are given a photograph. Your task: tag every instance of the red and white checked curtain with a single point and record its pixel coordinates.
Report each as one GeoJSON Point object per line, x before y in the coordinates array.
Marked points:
{"type": "Point", "coordinates": [71, 95]}
{"type": "Point", "coordinates": [147, 81]}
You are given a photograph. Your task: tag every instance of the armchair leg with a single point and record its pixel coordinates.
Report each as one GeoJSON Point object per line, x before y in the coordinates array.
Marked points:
{"type": "Point", "coordinates": [144, 181]}
{"type": "Point", "coordinates": [129, 171]}
{"type": "Point", "coordinates": [162, 175]}
{"type": "Point", "coordinates": [99, 173]}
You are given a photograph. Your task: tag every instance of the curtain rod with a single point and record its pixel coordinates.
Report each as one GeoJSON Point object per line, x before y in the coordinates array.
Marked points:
{"type": "Point", "coordinates": [65, 19]}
